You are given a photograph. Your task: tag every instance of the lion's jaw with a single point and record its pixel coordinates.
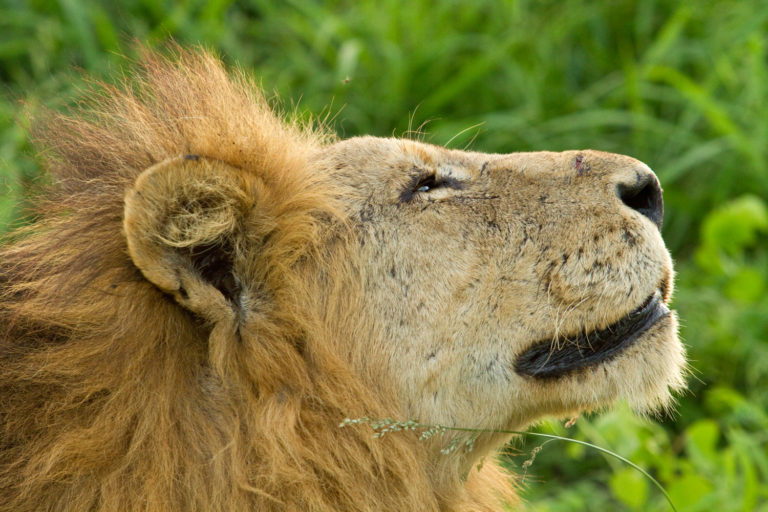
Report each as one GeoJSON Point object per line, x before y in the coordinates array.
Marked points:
{"type": "Point", "coordinates": [467, 261]}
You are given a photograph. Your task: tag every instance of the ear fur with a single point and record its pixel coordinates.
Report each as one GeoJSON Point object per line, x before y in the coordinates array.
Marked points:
{"type": "Point", "coordinates": [189, 223]}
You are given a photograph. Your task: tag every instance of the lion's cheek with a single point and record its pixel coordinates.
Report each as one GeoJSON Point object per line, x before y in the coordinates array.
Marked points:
{"type": "Point", "coordinates": [598, 276]}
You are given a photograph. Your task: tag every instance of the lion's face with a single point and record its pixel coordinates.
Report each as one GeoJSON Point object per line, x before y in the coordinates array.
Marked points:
{"type": "Point", "coordinates": [495, 289]}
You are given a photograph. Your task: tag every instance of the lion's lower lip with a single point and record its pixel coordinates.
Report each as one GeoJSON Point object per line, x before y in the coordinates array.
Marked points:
{"type": "Point", "coordinates": [545, 361]}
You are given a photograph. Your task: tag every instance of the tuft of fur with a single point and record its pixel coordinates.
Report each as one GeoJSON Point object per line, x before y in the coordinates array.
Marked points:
{"type": "Point", "coordinates": [113, 397]}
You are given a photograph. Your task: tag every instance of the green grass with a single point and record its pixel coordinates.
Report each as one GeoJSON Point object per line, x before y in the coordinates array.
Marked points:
{"type": "Point", "coordinates": [682, 86]}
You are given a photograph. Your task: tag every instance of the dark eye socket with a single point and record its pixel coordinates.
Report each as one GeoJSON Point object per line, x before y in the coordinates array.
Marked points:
{"type": "Point", "coordinates": [426, 183]}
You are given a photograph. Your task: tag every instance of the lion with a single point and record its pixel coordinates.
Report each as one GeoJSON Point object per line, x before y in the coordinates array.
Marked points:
{"type": "Point", "coordinates": [209, 288]}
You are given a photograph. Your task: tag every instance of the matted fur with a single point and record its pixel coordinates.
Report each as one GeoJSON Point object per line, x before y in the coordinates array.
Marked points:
{"type": "Point", "coordinates": [128, 381]}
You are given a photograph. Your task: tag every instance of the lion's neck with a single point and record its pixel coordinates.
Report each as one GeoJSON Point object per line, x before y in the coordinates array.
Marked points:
{"type": "Point", "coordinates": [125, 418]}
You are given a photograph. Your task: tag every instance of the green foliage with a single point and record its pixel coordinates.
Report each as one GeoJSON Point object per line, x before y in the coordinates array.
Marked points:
{"type": "Point", "coordinates": [682, 86]}
{"type": "Point", "coordinates": [728, 236]}
{"type": "Point", "coordinates": [713, 464]}
{"type": "Point", "coordinates": [631, 488]}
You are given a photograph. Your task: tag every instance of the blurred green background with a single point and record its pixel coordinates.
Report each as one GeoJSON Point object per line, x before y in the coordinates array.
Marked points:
{"type": "Point", "coordinates": [680, 85]}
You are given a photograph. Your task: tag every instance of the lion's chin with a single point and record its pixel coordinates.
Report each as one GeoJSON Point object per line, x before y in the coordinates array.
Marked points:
{"type": "Point", "coordinates": [646, 373]}
{"type": "Point", "coordinates": [652, 370]}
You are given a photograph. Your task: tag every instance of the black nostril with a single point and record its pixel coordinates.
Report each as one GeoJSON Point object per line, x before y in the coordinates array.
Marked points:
{"type": "Point", "coordinates": [644, 196]}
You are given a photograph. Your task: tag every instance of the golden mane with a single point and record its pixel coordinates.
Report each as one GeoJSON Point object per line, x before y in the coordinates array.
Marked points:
{"type": "Point", "coordinates": [113, 397]}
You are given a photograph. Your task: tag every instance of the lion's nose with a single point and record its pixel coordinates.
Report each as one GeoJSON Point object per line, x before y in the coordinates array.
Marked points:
{"type": "Point", "coordinates": [643, 194]}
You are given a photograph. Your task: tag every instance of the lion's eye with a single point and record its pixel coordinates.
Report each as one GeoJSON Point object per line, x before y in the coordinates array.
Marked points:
{"type": "Point", "coordinates": [426, 183]}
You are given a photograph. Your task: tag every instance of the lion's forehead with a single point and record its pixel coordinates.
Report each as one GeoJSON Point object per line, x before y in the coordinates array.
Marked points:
{"type": "Point", "coordinates": [383, 154]}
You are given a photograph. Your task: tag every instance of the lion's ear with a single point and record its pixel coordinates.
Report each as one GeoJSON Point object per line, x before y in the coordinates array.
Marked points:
{"type": "Point", "coordinates": [189, 223]}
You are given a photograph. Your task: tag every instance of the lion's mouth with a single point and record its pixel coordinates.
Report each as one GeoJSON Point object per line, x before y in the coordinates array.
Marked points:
{"type": "Point", "coordinates": [544, 360]}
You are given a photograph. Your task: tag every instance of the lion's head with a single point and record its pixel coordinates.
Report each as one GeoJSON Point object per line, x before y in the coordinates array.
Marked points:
{"type": "Point", "coordinates": [211, 290]}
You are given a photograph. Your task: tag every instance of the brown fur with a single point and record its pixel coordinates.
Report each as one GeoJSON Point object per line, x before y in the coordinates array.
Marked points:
{"type": "Point", "coordinates": [210, 290]}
